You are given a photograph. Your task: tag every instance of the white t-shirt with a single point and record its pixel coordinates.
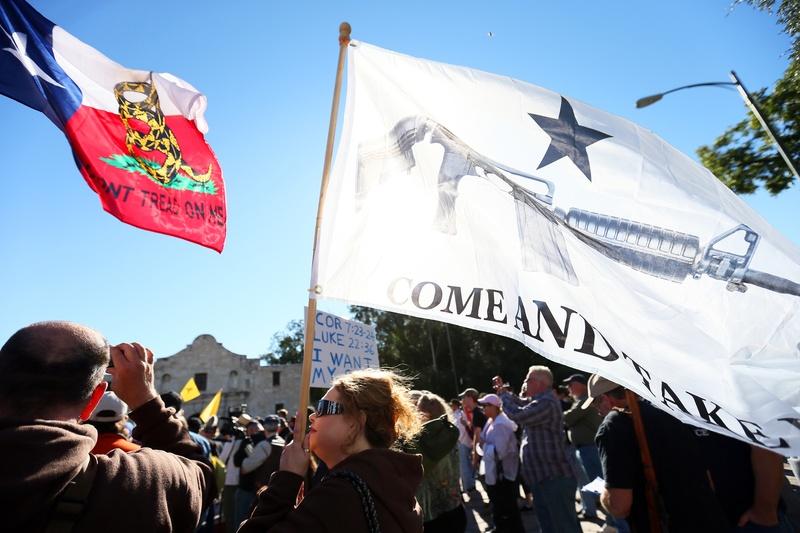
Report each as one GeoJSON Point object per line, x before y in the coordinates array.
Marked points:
{"type": "Point", "coordinates": [463, 436]}
{"type": "Point", "coordinates": [226, 456]}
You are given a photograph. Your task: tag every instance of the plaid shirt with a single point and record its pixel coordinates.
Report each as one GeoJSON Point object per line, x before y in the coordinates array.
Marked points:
{"type": "Point", "coordinates": [544, 453]}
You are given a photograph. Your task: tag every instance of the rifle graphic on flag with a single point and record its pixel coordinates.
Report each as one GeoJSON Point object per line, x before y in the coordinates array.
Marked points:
{"type": "Point", "coordinates": [490, 203]}
{"type": "Point", "coordinates": [190, 391]}
{"type": "Point", "coordinates": [136, 136]}
{"type": "Point", "coordinates": [659, 252]}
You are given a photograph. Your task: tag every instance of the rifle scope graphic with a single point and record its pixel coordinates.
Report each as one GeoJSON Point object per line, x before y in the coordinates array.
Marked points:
{"type": "Point", "coordinates": [653, 250]}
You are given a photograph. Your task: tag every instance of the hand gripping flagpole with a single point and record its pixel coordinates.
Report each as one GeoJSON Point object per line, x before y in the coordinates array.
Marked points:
{"type": "Point", "coordinates": [311, 312]}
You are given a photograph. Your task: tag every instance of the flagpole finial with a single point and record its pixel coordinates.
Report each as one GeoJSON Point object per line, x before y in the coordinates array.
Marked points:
{"type": "Point", "coordinates": [344, 32]}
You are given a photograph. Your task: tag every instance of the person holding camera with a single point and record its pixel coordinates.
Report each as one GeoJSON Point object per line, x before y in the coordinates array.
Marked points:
{"type": "Point", "coordinates": [51, 377]}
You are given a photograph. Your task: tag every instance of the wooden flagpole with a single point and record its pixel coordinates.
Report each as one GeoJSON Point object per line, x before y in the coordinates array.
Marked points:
{"type": "Point", "coordinates": [311, 313]}
{"type": "Point", "coordinates": [651, 486]}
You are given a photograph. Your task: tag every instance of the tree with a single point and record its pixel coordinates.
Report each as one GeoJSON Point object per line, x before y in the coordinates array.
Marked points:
{"type": "Point", "coordinates": [287, 346]}
{"type": "Point", "coordinates": [446, 359]}
{"type": "Point", "coordinates": [439, 357]}
{"type": "Point", "coordinates": [744, 157]}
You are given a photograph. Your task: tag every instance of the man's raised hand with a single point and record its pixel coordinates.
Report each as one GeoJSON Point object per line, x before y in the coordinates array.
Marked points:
{"type": "Point", "coordinates": [132, 373]}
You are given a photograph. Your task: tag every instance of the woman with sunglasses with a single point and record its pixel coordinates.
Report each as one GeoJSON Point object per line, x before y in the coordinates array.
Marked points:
{"type": "Point", "coordinates": [370, 486]}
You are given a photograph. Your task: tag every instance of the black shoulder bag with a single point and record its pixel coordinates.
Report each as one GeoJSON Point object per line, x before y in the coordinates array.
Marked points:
{"type": "Point", "coordinates": [367, 503]}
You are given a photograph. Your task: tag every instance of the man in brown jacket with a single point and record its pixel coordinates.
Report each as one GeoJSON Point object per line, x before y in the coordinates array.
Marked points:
{"type": "Point", "coordinates": [51, 376]}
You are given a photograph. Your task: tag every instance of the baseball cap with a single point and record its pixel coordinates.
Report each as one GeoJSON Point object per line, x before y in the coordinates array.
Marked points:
{"type": "Point", "coordinates": [491, 399]}
{"type": "Point", "coordinates": [110, 409]}
{"type": "Point", "coordinates": [472, 393]}
{"type": "Point", "coordinates": [598, 385]}
{"type": "Point", "coordinates": [580, 378]}
{"type": "Point", "coordinates": [272, 421]}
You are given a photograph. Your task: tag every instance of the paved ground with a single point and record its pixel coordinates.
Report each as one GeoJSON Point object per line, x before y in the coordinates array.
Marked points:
{"type": "Point", "coordinates": [479, 515]}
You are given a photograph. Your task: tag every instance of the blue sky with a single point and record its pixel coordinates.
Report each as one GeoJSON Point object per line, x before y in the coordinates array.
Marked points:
{"type": "Point", "coordinates": [268, 69]}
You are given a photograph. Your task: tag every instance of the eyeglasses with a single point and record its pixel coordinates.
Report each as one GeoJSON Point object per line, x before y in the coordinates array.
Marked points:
{"type": "Point", "coordinates": [329, 407]}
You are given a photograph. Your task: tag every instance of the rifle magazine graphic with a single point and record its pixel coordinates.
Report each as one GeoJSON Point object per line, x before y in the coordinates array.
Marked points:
{"type": "Point", "coordinates": [663, 253]}
{"type": "Point", "coordinates": [649, 249]}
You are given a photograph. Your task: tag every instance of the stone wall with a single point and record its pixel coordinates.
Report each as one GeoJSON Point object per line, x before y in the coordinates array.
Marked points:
{"type": "Point", "coordinates": [243, 380]}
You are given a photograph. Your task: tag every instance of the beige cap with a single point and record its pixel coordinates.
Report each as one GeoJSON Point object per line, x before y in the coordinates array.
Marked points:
{"type": "Point", "coordinates": [598, 385]}
{"type": "Point", "coordinates": [245, 419]}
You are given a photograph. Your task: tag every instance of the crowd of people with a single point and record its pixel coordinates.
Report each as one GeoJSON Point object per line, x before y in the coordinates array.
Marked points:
{"type": "Point", "coordinates": [377, 455]}
{"type": "Point", "coordinates": [699, 481]}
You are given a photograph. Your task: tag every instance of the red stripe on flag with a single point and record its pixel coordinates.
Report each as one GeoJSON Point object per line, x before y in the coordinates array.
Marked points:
{"type": "Point", "coordinates": [185, 207]}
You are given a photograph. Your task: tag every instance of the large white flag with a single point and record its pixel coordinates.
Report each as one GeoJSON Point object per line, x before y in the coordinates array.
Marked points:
{"type": "Point", "coordinates": [490, 203]}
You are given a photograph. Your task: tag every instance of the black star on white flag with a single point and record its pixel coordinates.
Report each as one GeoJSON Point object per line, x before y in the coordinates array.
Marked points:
{"type": "Point", "coordinates": [568, 138]}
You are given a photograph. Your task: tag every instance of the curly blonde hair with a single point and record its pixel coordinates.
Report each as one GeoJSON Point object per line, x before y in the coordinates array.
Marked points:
{"type": "Point", "coordinates": [383, 396]}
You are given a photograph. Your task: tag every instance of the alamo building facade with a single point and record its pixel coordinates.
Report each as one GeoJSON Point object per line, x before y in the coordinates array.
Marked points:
{"type": "Point", "coordinates": [263, 388]}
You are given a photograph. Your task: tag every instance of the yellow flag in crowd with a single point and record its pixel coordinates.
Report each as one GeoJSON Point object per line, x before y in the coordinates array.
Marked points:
{"type": "Point", "coordinates": [190, 391]}
{"type": "Point", "coordinates": [212, 407]}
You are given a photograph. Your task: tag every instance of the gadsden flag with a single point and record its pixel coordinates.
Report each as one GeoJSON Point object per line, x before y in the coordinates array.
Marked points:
{"type": "Point", "coordinates": [137, 136]}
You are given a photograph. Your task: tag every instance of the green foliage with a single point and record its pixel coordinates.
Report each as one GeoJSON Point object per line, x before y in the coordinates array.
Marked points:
{"type": "Point", "coordinates": [287, 346]}
{"type": "Point", "coordinates": [179, 182]}
{"type": "Point", "coordinates": [744, 157]}
{"type": "Point", "coordinates": [788, 12]}
{"type": "Point", "coordinates": [422, 350]}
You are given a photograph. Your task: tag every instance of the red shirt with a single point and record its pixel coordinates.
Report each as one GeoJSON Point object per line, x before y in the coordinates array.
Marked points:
{"type": "Point", "coordinates": [109, 441]}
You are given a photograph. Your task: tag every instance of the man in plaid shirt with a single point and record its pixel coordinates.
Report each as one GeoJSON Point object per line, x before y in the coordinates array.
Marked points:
{"type": "Point", "coordinates": [544, 455]}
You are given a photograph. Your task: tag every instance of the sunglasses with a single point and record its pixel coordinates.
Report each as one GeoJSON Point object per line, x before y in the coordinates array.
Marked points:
{"type": "Point", "coordinates": [329, 407]}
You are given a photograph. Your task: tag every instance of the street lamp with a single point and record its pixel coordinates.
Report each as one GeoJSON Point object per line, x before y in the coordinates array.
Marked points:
{"type": "Point", "coordinates": [736, 82]}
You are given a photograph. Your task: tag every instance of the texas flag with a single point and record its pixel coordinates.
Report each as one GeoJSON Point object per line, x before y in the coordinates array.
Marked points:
{"type": "Point", "coordinates": [137, 136]}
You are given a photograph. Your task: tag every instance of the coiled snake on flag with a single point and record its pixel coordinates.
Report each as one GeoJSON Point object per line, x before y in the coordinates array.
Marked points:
{"type": "Point", "coordinates": [159, 138]}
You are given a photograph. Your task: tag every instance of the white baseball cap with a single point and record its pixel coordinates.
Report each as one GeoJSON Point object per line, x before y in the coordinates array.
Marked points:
{"type": "Point", "coordinates": [491, 399]}
{"type": "Point", "coordinates": [109, 409]}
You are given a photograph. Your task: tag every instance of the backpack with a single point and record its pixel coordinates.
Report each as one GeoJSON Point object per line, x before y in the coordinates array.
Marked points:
{"type": "Point", "coordinates": [252, 481]}
{"type": "Point", "coordinates": [69, 505]}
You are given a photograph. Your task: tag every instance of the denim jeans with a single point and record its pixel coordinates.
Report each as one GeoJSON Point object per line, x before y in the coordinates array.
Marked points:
{"type": "Point", "coordinates": [590, 468]}
{"type": "Point", "coordinates": [467, 471]}
{"type": "Point", "coordinates": [589, 500]}
{"type": "Point", "coordinates": [244, 501]}
{"type": "Point", "coordinates": [555, 505]}
{"type": "Point", "coordinates": [590, 459]}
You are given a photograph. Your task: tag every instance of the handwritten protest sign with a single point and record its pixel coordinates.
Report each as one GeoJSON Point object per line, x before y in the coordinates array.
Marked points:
{"type": "Point", "coordinates": [341, 346]}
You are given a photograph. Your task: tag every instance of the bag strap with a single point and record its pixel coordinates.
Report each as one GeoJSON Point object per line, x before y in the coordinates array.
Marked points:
{"type": "Point", "coordinates": [367, 503]}
{"type": "Point", "coordinates": [69, 506]}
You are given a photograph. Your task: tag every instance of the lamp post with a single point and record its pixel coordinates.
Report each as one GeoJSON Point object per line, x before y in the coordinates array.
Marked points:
{"type": "Point", "coordinates": [736, 82]}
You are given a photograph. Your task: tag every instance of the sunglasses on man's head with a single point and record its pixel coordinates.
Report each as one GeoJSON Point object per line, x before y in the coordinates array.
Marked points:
{"type": "Point", "coordinates": [329, 407]}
